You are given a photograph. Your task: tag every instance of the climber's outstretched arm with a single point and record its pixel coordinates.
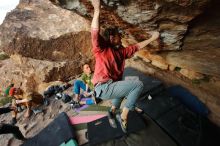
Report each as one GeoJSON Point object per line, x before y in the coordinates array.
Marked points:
{"type": "Point", "coordinates": [95, 20]}
{"type": "Point", "coordinates": [154, 36]}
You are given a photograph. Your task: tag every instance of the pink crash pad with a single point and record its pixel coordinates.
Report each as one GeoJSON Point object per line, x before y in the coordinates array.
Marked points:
{"type": "Point", "coordinates": [85, 119]}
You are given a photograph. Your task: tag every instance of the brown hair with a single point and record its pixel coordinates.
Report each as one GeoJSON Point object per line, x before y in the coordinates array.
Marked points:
{"type": "Point", "coordinates": [111, 31]}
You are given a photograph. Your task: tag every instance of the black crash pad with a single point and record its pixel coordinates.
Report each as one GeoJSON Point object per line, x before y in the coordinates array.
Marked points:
{"type": "Point", "coordinates": [183, 125]}
{"type": "Point", "coordinates": [152, 85]}
{"type": "Point", "coordinates": [58, 131]}
{"type": "Point", "coordinates": [188, 99]}
{"type": "Point", "coordinates": [186, 127]}
{"type": "Point", "coordinates": [151, 135]}
{"type": "Point", "coordinates": [172, 116]}
{"type": "Point", "coordinates": [189, 128]}
{"type": "Point", "coordinates": [100, 130]}
{"type": "Point", "coordinates": [160, 104]}
{"type": "Point", "coordinates": [210, 133]}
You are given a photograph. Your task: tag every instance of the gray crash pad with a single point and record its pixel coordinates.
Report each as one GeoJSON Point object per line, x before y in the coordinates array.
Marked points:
{"type": "Point", "coordinates": [152, 85]}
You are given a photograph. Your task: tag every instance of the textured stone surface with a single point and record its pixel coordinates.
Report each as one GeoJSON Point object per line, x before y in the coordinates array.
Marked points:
{"type": "Point", "coordinates": [170, 17]}
{"type": "Point", "coordinates": [201, 61]}
{"type": "Point", "coordinates": [172, 67]}
{"type": "Point", "coordinates": [41, 30]}
{"type": "Point", "coordinates": [159, 64]}
{"type": "Point", "coordinates": [50, 43]}
{"type": "Point", "coordinates": [155, 59]}
{"type": "Point", "coordinates": [201, 49]}
{"type": "Point", "coordinates": [31, 72]}
{"type": "Point", "coordinates": [191, 74]}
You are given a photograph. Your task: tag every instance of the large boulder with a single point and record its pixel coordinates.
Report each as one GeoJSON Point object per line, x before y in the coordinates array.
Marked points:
{"type": "Point", "coordinates": [41, 30]}
{"type": "Point", "coordinates": [31, 73]}
{"type": "Point", "coordinates": [46, 43]}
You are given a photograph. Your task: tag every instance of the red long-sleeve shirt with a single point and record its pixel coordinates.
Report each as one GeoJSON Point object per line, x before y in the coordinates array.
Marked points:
{"type": "Point", "coordinates": [109, 62]}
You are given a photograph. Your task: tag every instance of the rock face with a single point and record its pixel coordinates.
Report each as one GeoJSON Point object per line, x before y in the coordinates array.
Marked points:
{"type": "Point", "coordinates": [46, 30]}
{"type": "Point", "coordinates": [30, 73]}
{"type": "Point", "coordinates": [170, 17]}
{"type": "Point", "coordinates": [47, 43]}
{"type": "Point", "coordinates": [201, 49]}
{"type": "Point", "coordinates": [41, 30]}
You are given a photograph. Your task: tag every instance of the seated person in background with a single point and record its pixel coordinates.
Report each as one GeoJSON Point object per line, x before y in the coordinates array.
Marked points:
{"type": "Point", "coordinates": [8, 128]}
{"type": "Point", "coordinates": [20, 99]}
{"type": "Point", "coordinates": [85, 83]}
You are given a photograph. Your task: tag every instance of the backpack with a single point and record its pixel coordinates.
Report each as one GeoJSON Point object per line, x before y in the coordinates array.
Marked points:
{"type": "Point", "coordinates": [66, 98]}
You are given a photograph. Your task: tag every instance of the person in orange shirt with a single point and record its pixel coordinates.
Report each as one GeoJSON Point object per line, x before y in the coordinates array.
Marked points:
{"type": "Point", "coordinates": [20, 99]}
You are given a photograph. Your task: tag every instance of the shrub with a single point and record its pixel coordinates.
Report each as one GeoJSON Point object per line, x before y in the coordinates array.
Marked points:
{"type": "Point", "coordinates": [5, 100]}
{"type": "Point", "coordinates": [3, 56]}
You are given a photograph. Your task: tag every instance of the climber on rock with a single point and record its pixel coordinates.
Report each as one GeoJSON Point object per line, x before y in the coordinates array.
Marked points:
{"type": "Point", "coordinates": [110, 58]}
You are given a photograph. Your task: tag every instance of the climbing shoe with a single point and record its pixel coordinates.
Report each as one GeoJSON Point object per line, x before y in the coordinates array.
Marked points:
{"type": "Point", "coordinates": [111, 118]}
{"type": "Point", "coordinates": [122, 122]}
{"type": "Point", "coordinates": [75, 104]}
